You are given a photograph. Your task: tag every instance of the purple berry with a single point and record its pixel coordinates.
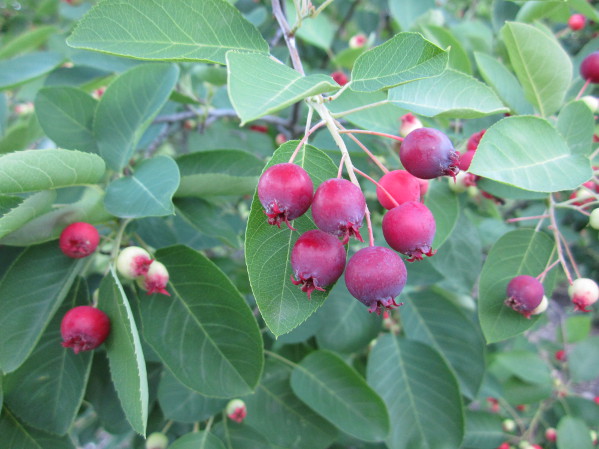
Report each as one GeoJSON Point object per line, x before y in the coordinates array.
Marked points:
{"type": "Point", "coordinates": [410, 229]}
{"type": "Point", "coordinates": [317, 260]}
{"type": "Point", "coordinates": [338, 208]}
{"type": "Point", "coordinates": [285, 191]}
{"type": "Point", "coordinates": [524, 293]}
{"type": "Point", "coordinates": [589, 68]}
{"type": "Point", "coordinates": [428, 153]}
{"type": "Point", "coordinates": [375, 276]}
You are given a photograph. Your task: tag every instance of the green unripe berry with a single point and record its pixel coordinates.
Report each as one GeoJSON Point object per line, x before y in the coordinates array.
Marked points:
{"type": "Point", "coordinates": [594, 219]}
{"type": "Point", "coordinates": [157, 440]}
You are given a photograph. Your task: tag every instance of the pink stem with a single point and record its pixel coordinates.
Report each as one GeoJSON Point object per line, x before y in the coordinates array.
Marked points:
{"type": "Point", "coordinates": [395, 203]}
{"type": "Point", "coordinates": [303, 141]}
{"type": "Point", "coordinates": [369, 153]}
{"type": "Point", "coordinates": [556, 236]}
{"type": "Point", "coordinates": [534, 217]}
{"type": "Point", "coordinates": [570, 256]}
{"type": "Point", "coordinates": [340, 171]}
{"type": "Point", "coordinates": [586, 84]}
{"type": "Point", "coordinates": [369, 225]}
{"type": "Point", "coordinates": [372, 133]}
{"type": "Point", "coordinates": [541, 277]}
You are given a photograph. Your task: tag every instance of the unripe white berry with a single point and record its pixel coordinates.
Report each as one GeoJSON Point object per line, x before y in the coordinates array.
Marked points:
{"type": "Point", "coordinates": [157, 440]}
{"type": "Point", "coordinates": [409, 122]}
{"type": "Point", "coordinates": [583, 292]}
{"type": "Point", "coordinates": [133, 262]}
{"type": "Point", "coordinates": [236, 410]}
{"type": "Point", "coordinates": [594, 219]}
{"type": "Point", "coordinates": [541, 307]}
{"type": "Point", "coordinates": [458, 185]}
{"type": "Point", "coordinates": [591, 102]}
{"type": "Point", "coordinates": [155, 280]}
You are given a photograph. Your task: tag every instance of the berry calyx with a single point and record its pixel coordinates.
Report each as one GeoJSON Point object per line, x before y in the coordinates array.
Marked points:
{"type": "Point", "coordinates": [401, 185]}
{"type": "Point", "coordinates": [79, 240]}
{"type": "Point", "coordinates": [594, 219]}
{"type": "Point", "coordinates": [285, 191]}
{"type": "Point", "coordinates": [583, 293]}
{"type": "Point", "coordinates": [340, 78]}
{"type": "Point", "coordinates": [84, 328]}
{"type": "Point", "coordinates": [576, 22]}
{"type": "Point", "coordinates": [157, 440]}
{"type": "Point", "coordinates": [317, 260]}
{"type": "Point", "coordinates": [133, 262]}
{"type": "Point", "coordinates": [236, 410]}
{"type": "Point", "coordinates": [409, 122]}
{"type": "Point", "coordinates": [427, 153]}
{"type": "Point", "coordinates": [589, 68]}
{"type": "Point", "coordinates": [410, 229]}
{"type": "Point", "coordinates": [524, 294]}
{"type": "Point", "coordinates": [375, 276]}
{"type": "Point", "coordinates": [338, 208]}
{"type": "Point", "coordinates": [155, 280]}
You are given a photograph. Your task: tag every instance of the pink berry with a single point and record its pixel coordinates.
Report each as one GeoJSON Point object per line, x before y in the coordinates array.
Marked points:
{"type": "Point", "coordinates": [259, 128]}
{"type": "Point", "coordinates": [338, 208]}
{"type": "Point", "coordinates": [524, 294]}
{"type": "Point", "coordinates": [84, 328]}
{"type": "Point", "coordinates": [596, 400]}
{"type": "Point", "coordinates": [474, 140]}
{"type": "Point", "coordinates": [589, 69]}
{"type": "Point", "coordinates": [375, 276]}
{"type": "Point", "coordinates": [427, 153]}
{"type": "Point", "coordinates": [423, 187]}
{"type": "Point", "coordinates": [401, 185]}
{"type": "Point", "coordinates": [133, 262]}
{"type": "Point", "coordinates": [340, 78]}
{"type": "Point", "coordinates": [79, 240]}
{"type": "Point", "coordinates": [576, 22]}
{"type": "Point", "coordinates": [465, 160]}
{"type": "Point", "coordinates": [155, 280]}
{"type": "Point", "coordinates": [317, 260]}
{"type": "Point", "coordinates": [409, 122]}
{"type": "Point", "coordinates": [357, 41]}
{"type": "Point", "coordinates": [236, 410]}
{"type": "Point", "coordinates": [583, 293]}
{"type": "Point", "coordinates": [285, 191]}
{"type": "Point", "coordinates": [410, 229]}
{"type": "Point", "coordinates": [493, 404]}
{"type": "Point", "coordinates": [504, 446]}
{"type": "Point", "coordinates": [280, 139]}
{"type": "Point", "coordinates": [560, 355]}
{"type": "Point", "coordinates": [551, 434]}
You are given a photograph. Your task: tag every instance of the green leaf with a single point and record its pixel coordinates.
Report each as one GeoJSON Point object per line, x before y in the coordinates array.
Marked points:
{"type": "Point", "coordinates": [259, 85]}
{"type": "Point", "coordinates": [573, 433]}
{"type": "Point", "coordinates": [421, 394]}
{"type": "Point", "coordinates": [405, 12]}
{"type": "Point", "coordinates": [534, 56]}
{"type": "Point", "coordinates": [31, 170]}
{"type": "Point", "coordinates": [283, 306]}
{"type": "Point", "coordinates": [26, 210]}
{"type": "Point", "coordinates": [167, 30]}
{"type": "Point", "coordinates": [504, 83]}
{"type": "Point", "coordinates": [240, 436]}
{"type": "Point", "coordinates": [525, 365]}
{"type": "Point", "coordinates": [274, 407]}
{"type": "Point", "coordinates": [182, 404]}
{"type": "Point", "coordinates": [451, 94]}
{"type": "Point", "coordinates": [404, 58]}
{"type": "Point", "coordinates": [432, 319]}
{"type": "Point", "coordinates": [529, 153]}
{"type": "Point", "coordinates": [577, 124]}
{"type": "Point", "coordinates": [337, 392]}
{"type": "Point", "coordinates": [444, 38]}
{"type": "Point", "coordinates": [318, 31]}
{"type": "Point", "coordinates": [218, 172]}
{"type": "Point", "coordinates": [583, 360]}
{"type": "Point", "coordinates": [577, 328]}
{"type": "Point", "coordinates": [25, 312]}
{"type": "Point", "coordinates": [128, 107]}
{"type": "Point", "coordinates": [445, 207]}
{"type": "Point", "coordinates": [211, 220]}
{"type": "Point", "coordinates": [197, 440]}
{"type": "Point", "coordinates": [507, 191]}
{"type": "Point", "coordinates": [483, 430]}
{"type": "Point", "coordinates": [585, 8]}
{"type": "Point", "coordinates": [123, 347]}
{"type": "Point", "coordinates": [25, 68]}
{"type": "Point", "coordinates": [221, 343]}
{"type": "Point", "coordinates": [20, 135]}
{"type": "Point", "coordinates": [18, 436]}
{"type": "Point", "coordinates": [518, 252]}
{"type": "Point", "coordinates": [66, 115]}
{"type": "Point", "coordinates": [536, 10]}
{"type": "Point", "coordinates": [51, 375]}
{"type": "Point", "coordinates": [148, 192]}
{"type": "Point", "coordinates": [30, 40]}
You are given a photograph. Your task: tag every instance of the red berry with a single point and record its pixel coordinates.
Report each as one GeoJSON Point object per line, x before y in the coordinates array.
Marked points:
{"type": "Point", "coordinates": [428, 153]}
{"type": "Point", "coordinates": [410, 229]}
{"type": "Point", "coordinates": [524, 294]}
{"type": "Point", "coordinates": [474, 140]}
{"type": "Point", "coordinates": [155, 280]}
{"type": "Point", "coordinates": [401, 185]}
{"type": "Point", "coordinates": [375, 276]}
{"type": "Point", "coordinates": [236, 410]}
{"type": "Point", "coordinates": [84, 328]}
{"type": "Point", "coordinates": [259, 128]}
{"type": "Point", "coordinates": [577, 22]}
{"type": "Point", "coordinates": [589, 69]}
{"type": "Point", "coordinates": [79, 240]}
{"type": "Point", "coordinates": [285, 190]}
{"type": "Point", "coordinates": [465, 160]}
{"type": "Point", "coordinates": [596, 400]}
{"type": "Point", "coordinates": [338, 208]}
{"type": "Point", "coordinates": [560, 355]}
{"type": "Point", "coordinates": [340, 78]}
{"type": "Point", "coordinates": [551, 434]}
{"type": "Point", "coordinates": [317, 260]}
{"type": "Point", "coordinates": [504, 446]}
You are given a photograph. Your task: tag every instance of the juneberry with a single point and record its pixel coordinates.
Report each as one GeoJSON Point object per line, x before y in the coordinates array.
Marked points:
{"type": "Point", "coordinates": [79, 240]}
{"type": "Point", "coordinates": [84, 328]}
{"type": "Point", "coordinates": [401, 185]}
{"type": "Point", "coordinates": [524, 294]}
{"type": "Point", "coordinates": [427, 153]}
{"type": "Point", "coordinates": [410, 229]}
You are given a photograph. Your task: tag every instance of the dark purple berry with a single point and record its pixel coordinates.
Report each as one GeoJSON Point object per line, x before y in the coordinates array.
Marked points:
{"type": "Point", "coordinates": [285, 190]}
{"type": "Point", "coordinates": [410, 229]}
{"type": "Point", "coordinates": [338, 208]}
{"type": "Point", "coordinates": [317, 260]}
{"type": "Point", "coordinates": [375, 276]}
{"type": "Point", "coordinates": [589, 68]}
{"type": "Point", "coordinates": [428, 153]}
{"type": "Point", "coordinates": [524, 294]}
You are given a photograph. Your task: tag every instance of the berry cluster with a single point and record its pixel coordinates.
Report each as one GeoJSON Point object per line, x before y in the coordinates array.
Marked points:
{"type": "Point", "coordinates": [135, 263]}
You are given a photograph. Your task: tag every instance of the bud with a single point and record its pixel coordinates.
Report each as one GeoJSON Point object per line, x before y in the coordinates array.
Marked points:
{"type": "Point", "coordinates": [97, 93]}
{"type": "Point", "coordinates": [236, 410]}
{"type": "Point", "coordinates": [409, 123]}
{"type": "Point", "coordinates": [157, 440]}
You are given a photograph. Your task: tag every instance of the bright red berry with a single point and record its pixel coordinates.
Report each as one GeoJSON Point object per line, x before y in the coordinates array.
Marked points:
{"type": "Point", "coordinates": [285, 191]}
{"type": "Point", "coordinates": [338, 208]}
{"type": "Point", "coordinates": [259, 128]}
{"type": "Point", "coordinates": [583, 292]}
{"type": "Point", "coordinates": [79, 240]}
{"type": "Point", "coordinates": [427, 153]}
{"type": "Point", "coordinates": [375, 276]}
{"type": "Point", "coordinates": [401, 185]}
{"type": "Point", "coordinates": [155, 280]}
{"type": "Point", "coordinates": [504, 446]}
{"type": "Point", "coordinates": [340, 78]}
{"type": "Point", "coordinates": [551, 434]}
{"type": "Point", "coordinates": [576, 22]}
{"type": "Point", "coordinates": [589, 68]}
{"type": "Point", "coordinates": [524, 294]}
{"type": "Point", "coordinates": [474, 140]}
{"type": "Point", "coordinates": [317, 260]}
{"type": "Point", "coordinates": [560, 355]}
{"type": "Point", "coordinates": [410, 229]}
{"type": "Point", "coordinates": [84, 328]}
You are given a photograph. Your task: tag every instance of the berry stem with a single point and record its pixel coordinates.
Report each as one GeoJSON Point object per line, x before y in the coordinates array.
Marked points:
{"type": "Point", "coordinates": [361, 173]}
{"type": "Point", "coordinates": [570, 256]}
{"type": "Point", "coordinates": [277, 10]}
{"type": "Point", "coordinates": [584, 87]}
{"type": "Point", "coordinates": [372, 133]}
{"type": "Point", "coordinates": [378, 163]}
{"type": "Point", "coordinates": [541, 276]}
{"type": "Point", "coordinates": [117, 243]}
{"type": "Point", "coordinates": [304, 139]}
{"type": "Point", "coordinates": [556, 236]}
{"type": "Point", "coordinates": [340, 171]}
{"type": "Point", "coordinates": [534, 217]}
{"type": "Point", "coordinates": [167, 426]}
{"type": "Point", "coordinates": [369, 226]}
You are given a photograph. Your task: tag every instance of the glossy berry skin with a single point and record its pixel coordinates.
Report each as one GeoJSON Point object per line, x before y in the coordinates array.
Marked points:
{"type": "Point", "coordinates": [524, 293]}
{"type": "Point", "coordinates": [410, 229]}
{"type": "Point", "coordinates": [589, 68]}
{"type": "Point", "coordinates": [340, 78]}
{"type": "Point", "coordinates": [401, 185]}
{"type": "Point", "coordinates": [338, 208]}
{"type": "Point", "coordinates": [576, 22]}
{"type": "Point", "coordinates": [427, 153]}
{"type": "Point", "coordinates": [285, 191]}
{"type": "Point", "coordinates": [317, 260]}
{"type": "Point", "coordinates": [79, 240]}
{"type": "Point", "coordinates": [375, 276]}
{"type": "Point", "coordinates": [84, 328]}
